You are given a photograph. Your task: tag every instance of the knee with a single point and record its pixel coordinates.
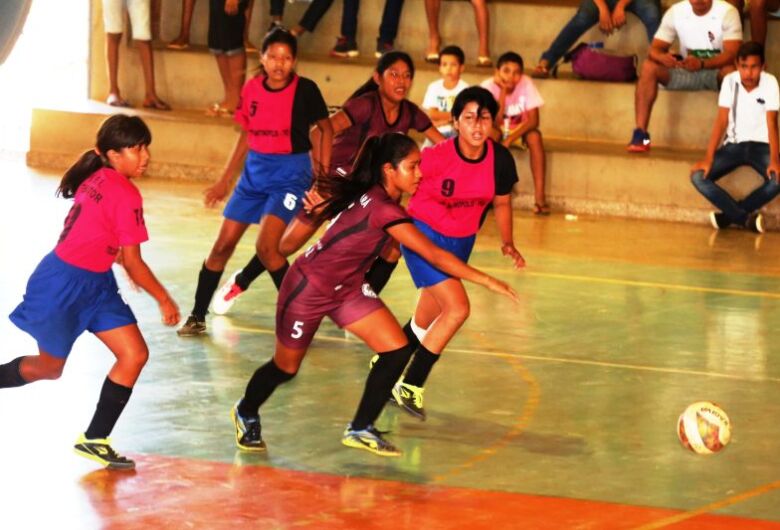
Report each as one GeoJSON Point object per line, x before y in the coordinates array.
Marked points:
{"type": "Point", "coordinates": [50, 372]}
{"type": "Point", "coordinates": [290, 367]}
{"type": "Point", "coordinates": [534, 138]}
{"type": "Point", "coordinates": [222, 251]}
{"type": "Point", "coordinates": [457, 314]}
{"type": "Point", "coordinates": [697, 178]}
{"type": "Point", "coordinates": [136, 358]}
{"type": "Point", "coordinates": [268, 253]}
{"type": "Point", "coordinates": [649, 70]}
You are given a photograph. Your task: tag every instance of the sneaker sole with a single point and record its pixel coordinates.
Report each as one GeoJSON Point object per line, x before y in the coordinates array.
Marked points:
{"type": "Point", "coordinates": [181, 333]}
{"type": "Point", "coordinates": [399, 403]}
{"type": "Point", "coordinates": [108, 465]}
{"type": "Point", "coordinates": [247, 448]}
{"type": "Point", "coordinates": [345, 55]}
{"type": "Point", "coordinates": [349, 442]}
{"type": "Point", "coordinates": [221, 308]}
{"type": "Point", "coordinates": [638, 148]}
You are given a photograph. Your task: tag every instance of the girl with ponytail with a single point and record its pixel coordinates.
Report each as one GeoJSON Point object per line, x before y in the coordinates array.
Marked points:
{"type": "Point", "coordinates": [74, 290]}
{"type": "Point", "coordinates": [328, 280]}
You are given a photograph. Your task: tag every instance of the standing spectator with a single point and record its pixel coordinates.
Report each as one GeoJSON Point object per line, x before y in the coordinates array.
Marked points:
{"type": "Point", "coordinates": [440, 94]}
{"type": "Point", "coordinates": [517, 120]}
{"type": "Point", "coordinates": [482, 17]}
{"type": "Point", "coordinates": [113, 15]}
{"type": "Point", "coordinates": [709, 32]}
{"type": "Point", "coordinates": [760, 10]}
{"type": "Point", "coordinates": [226, 42]}
{"type": "Point", "coordinates": [346, 45]}
{"type": "Point", "coordinates": [747, 115]}
{"type": "Point", "coordinates": [610, 15]}
{"type": "Point", "coordinates": [182, 41]}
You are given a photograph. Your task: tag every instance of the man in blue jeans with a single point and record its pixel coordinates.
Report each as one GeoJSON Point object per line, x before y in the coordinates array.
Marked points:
{"type": "Point", "coordinates": [747, 115]}
{"type": "Point", "coordinates": [610, 16]}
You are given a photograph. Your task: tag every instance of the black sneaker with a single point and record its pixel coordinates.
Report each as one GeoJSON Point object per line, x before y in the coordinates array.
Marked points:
{"type": "Point", "coordinates": [382, 48]}
{"type": "Point", "coordinates": [369, 439]}
{"type": "Point", "coordinates": [192, 327]}
{"type": "Point", "coordinates": [755, 223]}
{"type": "Point", "coordinates": [248, 436]}
{"type": "Point", "coordinates": [100, 451]}
{"type": "Point", "coordinates": [345, 48]}
{"type": "Point", "coordinates": [409, 398]}
{"type": "Point", "coordinates": [719, 220]}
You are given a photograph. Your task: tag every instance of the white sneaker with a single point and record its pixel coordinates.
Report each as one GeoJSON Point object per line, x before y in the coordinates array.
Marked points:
{"type": "Point", "coordinates": [226, 296]}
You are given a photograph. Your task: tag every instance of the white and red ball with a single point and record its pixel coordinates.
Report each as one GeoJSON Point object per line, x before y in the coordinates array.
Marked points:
{"type": "Point", "coordinates": [704, 428]}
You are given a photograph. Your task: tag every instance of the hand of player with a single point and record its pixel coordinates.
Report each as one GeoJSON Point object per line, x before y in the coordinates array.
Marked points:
{"type": "Point", "coordinates": [215, 193]}
{"type": "Point", "coordinates": [497, 286]}
{"type": "Point", "coordinates": [618, 18]}
{"type": "Point", "coordinates": [605, 22]}
{"type": "Point", "coordinates": [691, 63]}
{"type": "Point", "coordinates": [703, 165]}
{"type": "Point", "coordinates": [669, 60]}
{"type": "Point", "coordinates": [509, 249]}
{"type": "Point", "coordinates": [311, 200]}
{"type": "Point", "coordinates": [170, 312]}
{"type": "Point", "coordinates": [231, 7]}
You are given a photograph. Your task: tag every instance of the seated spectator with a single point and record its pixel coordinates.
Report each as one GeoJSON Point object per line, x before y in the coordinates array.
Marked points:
{"type": "Point", "coordinates": [113, 18]}
{"type": "Point", "coordinates": [440, 94]}
{"type": "Point", "coordinates": [610, 16]}
{"type": "Point", "coordinates": [517, 121]}
{"type": "Point", "coordinates": [346, 45]}
{"type": "Point", "coordinates": [432, 8]}
{"type": "Point", "coordinates": [759, 11]}
{"type": "Point", "coordinates": [709, 33]}
{"type": "Point", "coordinates": [747, 115]}
{"type": "Point", "coordinates": [182, 41]}
{"type": "Point", "coordinates": [226, 42]}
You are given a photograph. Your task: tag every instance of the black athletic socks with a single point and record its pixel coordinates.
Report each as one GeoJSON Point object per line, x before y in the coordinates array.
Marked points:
{"type": "Point", "coordinates": [420, 367]}
{"type": "Point", "coordinates": [381, 378]}
{"type": "Point", "coordinates": [208, 281]}
{"type": "Point", "coordinates": [379, 274]}
{"type": "Point", "coordinates": [10, 377]}
{"type": "Point", "coordinates": [260, 387]}
{"type": "Point", "coordinates": [411, 336]}
{"type": "Point", "coordinates": [250, 272]}
{"type": "Point", "coordinates": [278, 275]}
{"type": "Point", "coordinates": [113, 398]}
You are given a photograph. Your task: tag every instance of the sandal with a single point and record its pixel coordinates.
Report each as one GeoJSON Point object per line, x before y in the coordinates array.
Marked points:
{"type": "Point", "coordinates": [541, 71]}
{"type": "Point", "coordinates": [541, 209]}
{"type": "Point", "coordinates": [156, 104]}
{"type": "Point", "coordinates": [432, 57]}
{"type": "Point", "coordinates": [484, 61]}
{"type": "Point", "coordinates": [116, 101]}
{"type": "Point", "coordinates": [218, 111]}
{"type": "Point", "coordinates": [174, 45]}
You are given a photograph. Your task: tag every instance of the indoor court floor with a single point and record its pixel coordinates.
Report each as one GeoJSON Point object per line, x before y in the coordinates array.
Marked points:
{"type": "Point", "coordinates": [557, 412]}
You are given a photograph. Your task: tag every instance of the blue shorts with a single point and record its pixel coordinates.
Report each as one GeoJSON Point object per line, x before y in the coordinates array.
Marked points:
{"type": "Point", "coordinates": [62, 301]}
{"type": "Point", "coordinates": [270, 185]}
{"type": "Point", "coordinates": [423, 273]}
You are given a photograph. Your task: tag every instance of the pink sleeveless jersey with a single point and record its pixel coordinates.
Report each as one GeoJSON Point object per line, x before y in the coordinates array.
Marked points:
{"type": "Point", "coordinates": [454, 192]}
{"type": "Point", "coordinates": [107, 213]}
{"type": "Point", "coordinates": [266, 116]}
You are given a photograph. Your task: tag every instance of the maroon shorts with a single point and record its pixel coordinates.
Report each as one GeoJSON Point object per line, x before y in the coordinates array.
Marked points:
{"type": "Point", "coordinates": [302, 306]}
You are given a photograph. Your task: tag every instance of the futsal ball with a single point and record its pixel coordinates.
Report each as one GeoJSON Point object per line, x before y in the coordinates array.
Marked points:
{"type": "Point", "coordinates": [704, 428]}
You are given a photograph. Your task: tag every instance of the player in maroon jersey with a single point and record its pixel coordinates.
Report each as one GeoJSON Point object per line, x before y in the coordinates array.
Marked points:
{"type": "Point", "coordinates": [328, 280]}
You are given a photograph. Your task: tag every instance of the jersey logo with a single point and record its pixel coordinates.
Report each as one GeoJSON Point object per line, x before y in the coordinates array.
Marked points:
{"type": "Point", "coordinates": [368, 291]}
{"type": "Point", "coordinates": [447, 187]}
{"type": "Point", "coordinates": [761, 101]}
{"type": "Point", "coordinates": [365, 200]}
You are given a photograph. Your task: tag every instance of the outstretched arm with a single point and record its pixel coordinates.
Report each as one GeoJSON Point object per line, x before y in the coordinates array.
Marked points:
{"type": "Point", "coordinates": [408, 235]}
{"type": "Point", "coordinates": [142, 275]}
{"type": "Point", "coordinates": [502, 210]}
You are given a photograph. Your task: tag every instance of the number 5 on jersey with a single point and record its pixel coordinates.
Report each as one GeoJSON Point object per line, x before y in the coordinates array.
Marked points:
{"type": "Point", "coordinates": [297, 332]}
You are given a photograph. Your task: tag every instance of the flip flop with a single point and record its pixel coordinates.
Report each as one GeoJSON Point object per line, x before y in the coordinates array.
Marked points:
{"type": "Point", "coordinates": [432, 58]}
{"type": "Point", "coordinates": [118, 102]}
{"type": "Point", "coordinates": [541, 209]}
{"type": "Point", "coordinates": [218, 111]}
{"type": "Point", "coordinates": [156, 104]}
{"type": "Point", "coordinates": [540, 72]}
{"type": "Point", "coordinates": [484, 61]}
{"type": "Point", "coordinates": [177, 45]}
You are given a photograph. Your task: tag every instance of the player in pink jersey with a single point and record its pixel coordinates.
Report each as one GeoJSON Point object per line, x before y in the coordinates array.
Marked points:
{"type": "Point", "coordinates": [328, 280]}
{"type": "Point", "coordinates": [377, 107]}
{"type": "Point", "coordinates": [462, 178]}
{"type": "Point", "coordinates": [276, 112]}
{"type": "Point", "coordinates": [73, 289]}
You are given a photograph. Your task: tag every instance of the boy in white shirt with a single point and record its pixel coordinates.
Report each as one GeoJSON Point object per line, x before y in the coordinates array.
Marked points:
{"type": "Point", "coordinates": [440, 94]}
{"type": "Point", "coordinates": [747, 115]}
{"type": "Point", "coordinates": [709, 33]}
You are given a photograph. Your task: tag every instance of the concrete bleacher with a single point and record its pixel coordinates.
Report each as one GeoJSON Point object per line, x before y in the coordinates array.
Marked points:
{"type": "Point", "coordinates": [586, 124]}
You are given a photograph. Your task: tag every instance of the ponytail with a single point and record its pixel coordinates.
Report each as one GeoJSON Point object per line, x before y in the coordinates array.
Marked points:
{"type": "Point", "coordinates": [117, 132]}
{"type": "Point", "coordinates": [367, 171]}
{"type": "Point", "coordinates": [386, 61]}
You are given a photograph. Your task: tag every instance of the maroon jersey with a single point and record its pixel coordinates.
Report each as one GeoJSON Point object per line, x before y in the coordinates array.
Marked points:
{"type": "Point", "coordinates": [368, 119]}
{"type": "Point", "coordinates": [353, 240]}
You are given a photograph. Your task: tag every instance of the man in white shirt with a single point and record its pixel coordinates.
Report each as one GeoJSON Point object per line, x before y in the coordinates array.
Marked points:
{"type": "Point", "coordinates": [747, 116]}
{"type": "Point", "coordinates": [709, 33]}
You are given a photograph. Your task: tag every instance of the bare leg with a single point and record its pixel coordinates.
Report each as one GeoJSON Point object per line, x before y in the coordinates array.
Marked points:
{"type": "Point", "coordinates": [151, 99]}
{"type": "Point", "coordinates": [112, 67]}
{"type": "Point", "coordinates": [129, 347]}
{"type": "Point", "coordinates": [248, 46]}
{"type": "Point", "coordinates": [538, 166]}
{"type": "Point", "coordinates": [237, 74]}
{"type": "Point", "coordinates": [41, 366]}
{"type": "Point", "coordinates": [451, 297]}
{"type": "Point", "coordinates": [229, 235]}
{"type": "Point", "coordinates": [432, 9]}
{"type": "Point", "coordinates": [647, 91]}
{"type": "Point", "coordinates": [183, 40]}
{"type": "Point", "coordinates": [483, 26]}
{"type": "Point", "coordinates": [267, 246]}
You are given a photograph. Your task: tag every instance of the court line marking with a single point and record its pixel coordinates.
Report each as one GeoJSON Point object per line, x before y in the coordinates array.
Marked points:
{"type": "Point", "coordinates": [638, 283]}
{"type": "Point", "coordinates": [522, 421]}
{"type": "Point", "coordinates": [561, 360]}
{"type": "Point", "coordinates": [728, 501]}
